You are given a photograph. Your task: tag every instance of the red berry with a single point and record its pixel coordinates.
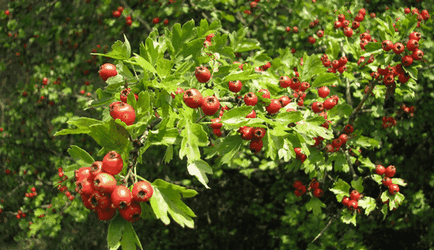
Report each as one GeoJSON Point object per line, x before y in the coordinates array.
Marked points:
{"type": "Point", "coordinates": [250, 99]}
{"type": "Point", "coordinates": [407, 60]}
{"type": "Point", "coordinates": [387, 181]}
{"type": "Point", "coordinates": [210, 105]}
{"type": "Point", "coordinates": [345, 201]}
{"type": "Point", "coordinates": [387, 45]}
{"type": "Point", "coordinates": [125, 93]}
{"type": "Point", "coordinates": [317, 107]}
{"type": "Point", "coordinates": [121, 197]}
{"type": "Point", "coordinates": [417, 54]}
{"type": "Point", "coordinates": [412, 44]}
{"type": "Point", "coordinates": [132, 212]}
{"type": "Point", "coordinates": [216, 123]}
{"type": "Point", "coordinates": [202, 74]}
{"type": "Point", "coordinates": [235, 86]}
{"type": "Point", "coordinates": [107, 70]}
{"type": "Point", "coordinates": [329, 103]}
{"type": "Point", "coordinates": [155, 20]}
{"type": "Point", "coordinates": [284, 100]}
{"type": "Point", "coordinates": [390, 171]}
{"type": "Point", "coordinates": [348, 32]}
{"type": "Point", "coordinates": [415, 35]}
{"type": "Point", "coordinates": [142, 191]}
{"type": "Point", "coordinates": [266, 93]}
{"type": "Point", "coordinates": [104, 183]}
{"type": "Point", "coordinates": [285, 81]}
{"type": "Point", "coordinates": [193, 98]}
{"type": "Point", "coordinates": [352, 204]}
{"type": "Point", "coordinates": [112, 163]}
{"type": "Point", "coordinates": [314, 184]}
{"type": "Point", "coordinates": [398, 48]}
{"type": "Point", "coordinates": [259, 133]}
{"type": "Point", "coordinates": [116, 14]}
{"type": "Point", "coordinates": [297, 184]}
{"type": "Point", "coordinates": [318, 192]}
{"type": "Point", "coordinates": [379, 169]}
{"type": "Point", "coordinates": [256, 145]}
{"type": "Point", "coordinates": [354, 195]}
{"type": "Point", "coordinates": [393, 189]}
{"type": "Point", "coordinates": [123, 112]}
{"type": "Point", "coordinates": [274, 107]}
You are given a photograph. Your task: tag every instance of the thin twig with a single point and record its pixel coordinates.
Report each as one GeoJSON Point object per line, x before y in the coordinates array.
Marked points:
{"type": "Point", "coordinates": [353, 173]}
{"type": "Point", "coordinates": [327, 226]}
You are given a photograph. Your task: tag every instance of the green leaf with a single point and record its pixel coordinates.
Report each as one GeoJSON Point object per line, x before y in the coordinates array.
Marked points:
{"type": "Point", "coordinates": [366, 162]}
{"type": "Point", "coordinates": [315, 205]}
{"type": "Point", "coordinates": [341, 163]}
{"type": "Point", "coordinates": [80, 156]}
{"type": "Point", "coordinates": [348, 217]}
{"type": "Point", "coordinates": [193, 136]}
{"type": "Point", "coordinates": [167, 200]}
{"type": "Point", "coordinates": [311, 67]}
{"type": "Point", "coordinates": [138, 60]}
{"type": "Point", "coordinates": [368, 204]}
{"type": "Point", "coordinates": [164, 66]}
{"type": "Point", "coordinates": [325, 79]}
{"type": "Point", "coordinates": [358, 185]}
{"type": "Point", "coordinates": [236, 117]}
{"type": "Point", "coordinates": [384, 25]}
{"type": "Point", "coordinates": [200, 168]}
{"type": "Point", "coordinates": [289, 117]}
{"type": "Point", "coordinates": [340, 189]}
{"type": "Point", "coordinates": [181, 36]}
{"type": "Point", "coordinates": [333, 48]}
{"type": "Point", "coordinates": [372, 48]}
{"type": "Point", "coordinates": [120, 50]}
{"type": "Point", "coordinates": [129, 238]}
{"type": "Point", "coordinates": [399, 181]}
{"type": "Point", "coordinates": [114, 235]}
{"type": "Point", "coordinates": [241, 75]}
{"type": "Point", "coordinates": [365, 142]}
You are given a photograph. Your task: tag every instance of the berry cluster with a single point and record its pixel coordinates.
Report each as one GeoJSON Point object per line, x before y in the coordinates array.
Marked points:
{"type": "Point", "coordinates": [344, 24]}
{"type": "Point", "coordinates": [387, 174]}
{"type": "Point", "coordinates": [352, 201]}
{"type": "Point", "coordinates": [100, 193]}
{"type": "Point", "coordinates": [300, 189]}
{"type": "Point", "coordinates": [337, 143]}
{"type": "Point", "coordinates": [193, 99]}
{"type": "Point", "coordinates": [254, 135]}
{"type": "Point", "coordinates": [388, 122]}
{"type": "Point", "coordinates": [299, 155]}
{"type": "Point", "coordinates": [337, 65]}
{"type": "Point", "coordinates": [408, 110]}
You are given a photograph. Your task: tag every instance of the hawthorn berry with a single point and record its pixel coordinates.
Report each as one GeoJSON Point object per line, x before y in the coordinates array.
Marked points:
{"type": "Point", "coordinates": [252, 114]}
{"type": "Point", "coordinates": [390, 171]}
{"type": "Point", "coordinates": [259, 133]}
{"type": "Point", "coordinates": [123, 112]}
{"type": "Point", "coordinates": [318, 192]}
{"type": "Point", "coordinates": [107, 70]}
{"type": "Point", "coordinates": [274, 107]}
{"type": "Point", "coordinates": [193, 98]}
{"type": "Point", "coordinates": [393, 189]}
{"type": "Point", "coordinates": [412, 44]}
{"type": "Point", "coordinates": [380, 170]}
{"type": "Point", "coordinates": [202, 74]}
{"type": "Point", "coordinates": [285, 81]}
{"type": "Point", "coordinates": [417, 54]}
{"type": "Point", "coordinates": [132, 212]}
{"type": "Point", "coordinates": [415, 35]}
{"type": "Point", "coordinates": [112, 163]}
{"type": "Point", "coordinates": [352, 204]}
{"type": "Point", "coordinates": [317, 107]}
{"type": "Point", "coordinates": [104, 182]}
{"type": "Point", "coordinates": [398, 48]}
{"type": "Point", "coordinates": [324, 91]}
{"type": "Point", "coordinates": [216, 123]}
{"type": "Point", "coordinates": [121, 197]}
{"type": "Point", "coordinates": [142, 191]}
{"type": "Point", "coordinates": [407, 60]}
{"type": "Point", "coordinates": [125, 93]}
{"type": "Point", "coordinates": [386, 181]}
{"type": "Point", "coordinates": [284, 100]}
{"type": "Point", "coordinates": [354, 195]}
{"type": "Point", "coordinates": [235, 86]}
{"type": "Point", "coordinates": [266, 93]}
{"type": "Point", "coordinates": [345, 201]}
{"type": "Point", "coordinates": [314, 184]}
{"type": "Point", "coordinates": [329, 103]}
{"type": "Point", "coordinates": [256, 145]}
{"type": "Point", "coordinates": [210, 105]}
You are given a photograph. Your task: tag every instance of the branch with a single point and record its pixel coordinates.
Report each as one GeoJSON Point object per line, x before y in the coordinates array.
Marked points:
{"type": "Point", "coordinates": [327, 226]}
{"type": "Point", "coordinates": [353, 173]}
{"type": "Point", "coordinates": [147, 27]}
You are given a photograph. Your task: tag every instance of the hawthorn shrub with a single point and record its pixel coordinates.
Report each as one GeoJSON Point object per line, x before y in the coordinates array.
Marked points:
{"type": "Point", "coordinates": [228, 101]}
